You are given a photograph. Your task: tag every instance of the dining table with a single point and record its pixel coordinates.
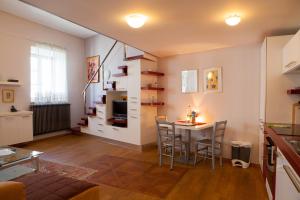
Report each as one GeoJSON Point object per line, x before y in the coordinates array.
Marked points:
{"type": "Point", "coordinates": [188, 128]}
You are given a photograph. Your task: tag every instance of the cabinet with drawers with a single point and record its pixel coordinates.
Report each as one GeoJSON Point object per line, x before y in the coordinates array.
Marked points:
{"type": "Point", "coordinates": [15, 127]}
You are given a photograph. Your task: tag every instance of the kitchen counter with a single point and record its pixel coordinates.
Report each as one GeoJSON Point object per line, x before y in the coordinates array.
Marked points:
{"type": "Point", "coordinates": [19, 113]}
{"type": "Point", "coordinates": [286, 136]}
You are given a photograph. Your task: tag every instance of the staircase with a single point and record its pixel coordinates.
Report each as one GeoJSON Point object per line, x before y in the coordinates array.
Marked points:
{"type": "Point", "coordinates": [90, 110]}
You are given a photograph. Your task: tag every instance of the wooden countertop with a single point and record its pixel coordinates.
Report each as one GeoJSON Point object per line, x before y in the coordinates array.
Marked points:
{"type": "Point", "coordinates": [19, 113]}
{"type": "Point", "coordinates": [280, 140]}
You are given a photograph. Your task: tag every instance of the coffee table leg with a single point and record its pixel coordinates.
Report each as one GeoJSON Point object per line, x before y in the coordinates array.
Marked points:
{"type": "Point", "coordinates": [37, 164]}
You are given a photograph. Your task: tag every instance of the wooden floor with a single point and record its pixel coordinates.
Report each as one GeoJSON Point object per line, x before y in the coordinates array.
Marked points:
{"type": "Point", "coordinates": [198, 183]}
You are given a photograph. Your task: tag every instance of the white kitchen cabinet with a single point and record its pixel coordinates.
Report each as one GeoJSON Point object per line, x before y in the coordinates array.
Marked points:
{"type": "Point", "coordinates": [16, 127]}
{"type": "Point", "coordinates": [287, 180]}
{"type": "Point", "coordinates": [291, 55]}
{"type": "Point", "coordinates": [275, 104]}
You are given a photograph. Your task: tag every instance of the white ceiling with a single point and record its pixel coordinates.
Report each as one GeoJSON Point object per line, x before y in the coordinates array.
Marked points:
{"type": "Point", "coordinates": [39, 16]}
{"type": "Point", "coordinates": [177, 26]}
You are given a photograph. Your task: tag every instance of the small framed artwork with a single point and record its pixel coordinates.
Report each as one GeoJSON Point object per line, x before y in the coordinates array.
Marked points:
{"type": "Point", "coordinates": [213, 80]}
{"type": "Point", "coordinates": [92, 66]}
{"type": "Point", "coordinates": [8, 96]}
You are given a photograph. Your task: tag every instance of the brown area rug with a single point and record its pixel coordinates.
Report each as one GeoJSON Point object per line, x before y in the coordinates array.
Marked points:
{"type": "Point", "coordinates": [133, 175]}
{"type": "Point", "coordinates": [71, 171]}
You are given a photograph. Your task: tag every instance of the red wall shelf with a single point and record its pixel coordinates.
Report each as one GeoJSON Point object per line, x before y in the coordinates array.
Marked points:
{"type": "Point", "coordinates": [153, 104]}
{"type": "Point", "coordinates": [137, 58]}
{"type": "Point", "coordinates": [152, 88]}
{"type": "Point", "coordinates": [124, 71]}
{"type": "Point", "coordinates": [152, 73]}
{"type": "Point", "coordinates": [119, 75]}
{"type": "Point", "coordinates": [294, 91]}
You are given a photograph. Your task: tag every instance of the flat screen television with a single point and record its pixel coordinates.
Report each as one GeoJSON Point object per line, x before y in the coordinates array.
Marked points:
{"type": "Point", "coordinates": [119, 108]}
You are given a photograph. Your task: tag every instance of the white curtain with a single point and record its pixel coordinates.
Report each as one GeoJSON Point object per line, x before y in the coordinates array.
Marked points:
{"type": "Point", "coordinates": [48, 74]}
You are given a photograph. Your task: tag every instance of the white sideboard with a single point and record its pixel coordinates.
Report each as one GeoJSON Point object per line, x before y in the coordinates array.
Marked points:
{"type": "Point", "coordinates": [15, 127]}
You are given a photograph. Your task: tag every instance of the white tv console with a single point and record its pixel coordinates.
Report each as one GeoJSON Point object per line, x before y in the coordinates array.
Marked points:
{"type": "Point", "coordinates": [141, 128]}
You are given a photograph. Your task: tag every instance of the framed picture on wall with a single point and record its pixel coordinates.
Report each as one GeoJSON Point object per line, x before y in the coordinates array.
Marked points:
{"type": "Point", "coordinates": [213, 80]}
{"type": "Point", "coordinates": [92, 66]}
{"type": "Point", "coordinates": [8, 96]}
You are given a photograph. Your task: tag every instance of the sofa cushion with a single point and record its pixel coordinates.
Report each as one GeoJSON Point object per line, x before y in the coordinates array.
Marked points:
{"type": "Point", "coordinates": [41, 186]}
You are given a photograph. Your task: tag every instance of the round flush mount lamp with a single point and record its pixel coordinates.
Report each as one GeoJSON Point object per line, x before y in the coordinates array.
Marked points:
{"type": "Point", "coordinates": [233, 20]}
{"type": "Point", "coordinates": [136, 20]}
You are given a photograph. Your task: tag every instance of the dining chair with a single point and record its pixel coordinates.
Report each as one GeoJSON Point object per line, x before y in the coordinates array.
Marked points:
{"type": "Point", "coordinates": [168, 141]}
{"type": "Point", "coordinates": [213, 146]}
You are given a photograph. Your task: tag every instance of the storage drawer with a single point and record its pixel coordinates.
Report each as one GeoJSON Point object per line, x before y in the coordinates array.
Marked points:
{"type": "Point", "coordinates": [100, 113]}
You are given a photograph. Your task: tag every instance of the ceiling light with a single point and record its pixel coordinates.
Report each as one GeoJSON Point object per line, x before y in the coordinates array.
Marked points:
{"type": "Point", "coordinates": [233, 20]}
{"type": "Point", "coordinates": [136, 20]}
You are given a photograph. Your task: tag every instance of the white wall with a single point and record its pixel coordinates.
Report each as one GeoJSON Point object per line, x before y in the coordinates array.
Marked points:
{"type": "Point", "coordinates": [239, 101]}
{"type": "Point", "coordinates": [16, 37]}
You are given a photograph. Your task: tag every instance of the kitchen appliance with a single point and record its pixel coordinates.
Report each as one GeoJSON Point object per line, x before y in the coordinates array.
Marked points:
{"type": "Point", "coordinates": [287, 180]}
{"type": "Point", "coordinates": [270, 163]}
{"type": "Point", "coordinates": [296, 113]}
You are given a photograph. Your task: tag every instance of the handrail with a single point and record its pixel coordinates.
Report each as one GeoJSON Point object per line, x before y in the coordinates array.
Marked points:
{"type": "Point", "coordinates": [93, 76]}
{"type": "Point", "coordinates": [99, 67]}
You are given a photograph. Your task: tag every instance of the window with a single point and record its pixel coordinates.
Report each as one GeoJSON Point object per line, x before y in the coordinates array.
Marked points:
{"type": "Point", "coordinates": [48, 74]}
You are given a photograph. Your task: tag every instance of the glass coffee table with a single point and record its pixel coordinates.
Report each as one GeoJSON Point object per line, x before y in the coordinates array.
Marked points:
{"type": "Point", "coordinates": [12, 160]}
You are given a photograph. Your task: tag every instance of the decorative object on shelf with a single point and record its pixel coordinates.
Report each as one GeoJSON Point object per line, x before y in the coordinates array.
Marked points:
{"type": "Point", "coordinates": [13, 109]}
{"type": "Point", "coordinates": [124, 98]}
{"type": "Point", "coordinates": [213, 80]}
{"type": "Point", "coordinates": [92, 66]}
{"type": "Point", "coordinates": [106, 78]}
{"type": "Point", "coordinates": [189, 81]}
{"type": "Point", "coordinates": [103, 99]}
{"type": "Point", "coordinates": [8, 96]}
{"type": "Point", "coordinates": [111, 85]}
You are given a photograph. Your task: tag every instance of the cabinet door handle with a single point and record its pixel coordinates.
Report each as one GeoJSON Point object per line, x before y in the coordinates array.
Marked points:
{"type": "Point", "coordinates": [99, 111]}
{"type": "Point", "coordinates": [133, 117]}
{"type": "Point", "coordinates": [133, 97]}
{"type": "Point", "coordinates": [100, 131]}
{"type": "Point", "coordinates": [133, 109]}
{"type": "Point", "coordinates": [115, 129]}
{"type": "Point", "coordinates": [133, 102]}
{"type": "Point", "coordinates": [292, 176]}
{"type": "Point", "coordinates": [100, 124]}
{"type": "Point", "coordinates": [25, 116]}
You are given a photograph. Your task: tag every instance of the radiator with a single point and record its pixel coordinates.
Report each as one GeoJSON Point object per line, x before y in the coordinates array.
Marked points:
{"type": "Point", "coordinates": [50, 117]}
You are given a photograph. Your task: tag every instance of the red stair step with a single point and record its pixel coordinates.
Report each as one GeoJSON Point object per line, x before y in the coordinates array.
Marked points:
{"type": "Point", "coordinates": [82, 124]}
